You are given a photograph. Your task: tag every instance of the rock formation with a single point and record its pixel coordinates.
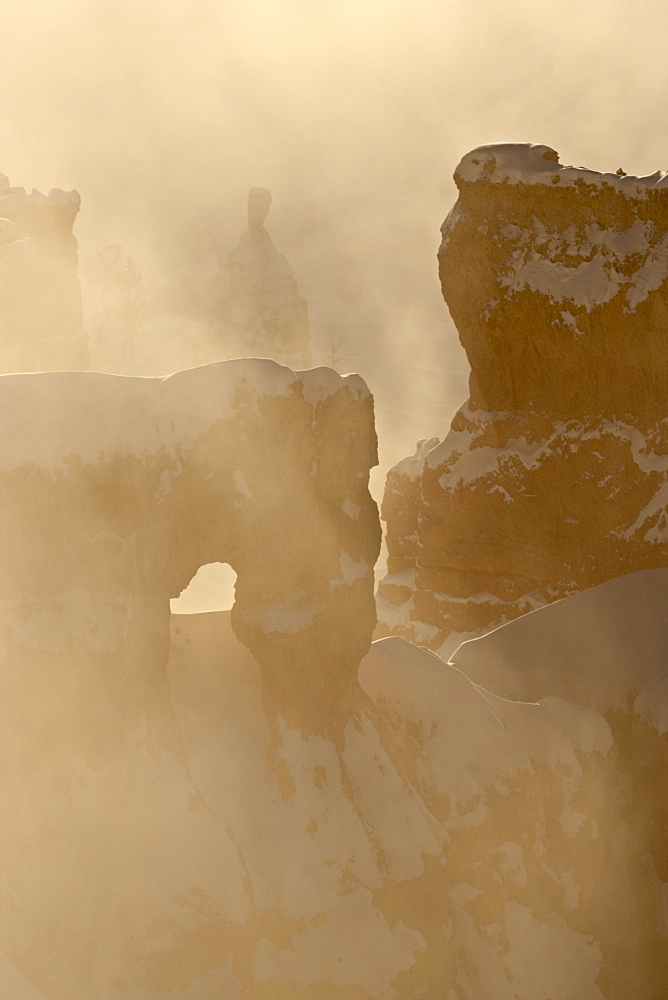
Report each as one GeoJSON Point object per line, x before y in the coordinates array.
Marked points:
{"type": "Point", "coordinates": [116, 490]}
{"type": "Point", "coordinates": [440, 842]}
{"type": "Point", "coordinates": [247, 806]}
{"type": "Point", "coordinates": [605, 648]}
{"type": "Point", "coordinates": [41, 327]}
{"type": "Point", "coordinates": [553, 477]}
{"type": "Point", "coordinates": [261, 312]}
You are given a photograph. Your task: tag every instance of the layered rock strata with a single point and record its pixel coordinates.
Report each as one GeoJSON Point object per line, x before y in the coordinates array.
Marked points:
{"type": "Point", "coordinates": [554, 476]}
{"type": "Point", "coordinates": [41, 325]}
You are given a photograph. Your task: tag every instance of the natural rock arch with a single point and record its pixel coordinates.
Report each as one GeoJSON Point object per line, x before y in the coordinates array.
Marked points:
{"type": "Point", "coordinates": [210, 589]}
{"type": "Point", "coordinates": [115, 490]}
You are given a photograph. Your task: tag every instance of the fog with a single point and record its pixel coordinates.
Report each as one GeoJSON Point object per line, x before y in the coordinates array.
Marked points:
{"type": "Point", "coordinates": [233, 806]}
{"type": "Point", "coordinates": [354, 113]}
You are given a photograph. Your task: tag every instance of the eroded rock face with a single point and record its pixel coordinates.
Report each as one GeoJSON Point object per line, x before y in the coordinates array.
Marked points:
{"type": "Point", "coordinates": [554, 476]}
{"type": "Point", "coordinates": [41, 326]}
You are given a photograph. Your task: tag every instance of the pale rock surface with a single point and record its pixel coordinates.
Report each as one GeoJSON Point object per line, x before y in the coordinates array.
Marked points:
{"type": "Point", "coordinates": [554, 476]}
{"type": "Point", "coordinates": [601, 647]}
{"type": "Point", "coordinates": [41, 325]}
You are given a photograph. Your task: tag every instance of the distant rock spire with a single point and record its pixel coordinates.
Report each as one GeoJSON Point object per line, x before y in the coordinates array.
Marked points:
{"type": "Point", "coordinates": [260, 310]}
{"type": "Point", "coordinates": [259, 203]}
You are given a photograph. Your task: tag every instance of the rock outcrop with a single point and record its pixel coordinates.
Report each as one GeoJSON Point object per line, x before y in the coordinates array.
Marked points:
{"type": "Point", "coordinates": [441, 842]}
{"type": "Point", "coordinates": [554, 476]}
{"type": "Point", "coordinates": [260, 312]}
{"type": "Point", "coordinates": [41, 326]}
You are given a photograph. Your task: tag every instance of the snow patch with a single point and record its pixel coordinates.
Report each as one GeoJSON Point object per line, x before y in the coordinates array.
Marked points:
{"type": "Point", "coordinates": [529, 163]}
{"type": "Point", "coordinates": [240, 484]}
{"type": "Point", "coordinates": [351, 510]}
{"type": "Point", "coordinates": [351, 570]}
{"type": "Point", "coordinates": [601, 269]}
{"type": "Point", "coordinates": [411, 467]}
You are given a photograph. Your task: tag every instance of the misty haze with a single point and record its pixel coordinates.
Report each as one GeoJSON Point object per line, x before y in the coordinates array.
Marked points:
{"type": "Point", "coordinates": [334, 500]}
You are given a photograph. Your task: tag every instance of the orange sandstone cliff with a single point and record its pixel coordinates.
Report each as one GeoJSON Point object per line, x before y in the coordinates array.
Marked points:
{"type": "Point", "coordinates": [553, 477]}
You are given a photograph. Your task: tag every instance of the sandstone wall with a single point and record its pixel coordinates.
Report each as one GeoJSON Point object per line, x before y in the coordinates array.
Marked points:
{"type": "Point", "coordinates": [41, 326]}
{"type": "Point", "coordinates": [553, 477]}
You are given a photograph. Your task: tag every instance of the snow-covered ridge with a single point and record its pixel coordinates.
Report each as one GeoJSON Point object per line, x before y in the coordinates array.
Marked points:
{"type": "Point", "coordinates": [48, 417]}
{"type": "Point", "coordinates": [318, 384]}
{"type": "Point", "coordinates": [529, 163]}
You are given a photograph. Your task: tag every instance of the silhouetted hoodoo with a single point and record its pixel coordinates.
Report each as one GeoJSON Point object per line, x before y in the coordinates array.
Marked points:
{"type": "Point", "coordinates": [261, 312]}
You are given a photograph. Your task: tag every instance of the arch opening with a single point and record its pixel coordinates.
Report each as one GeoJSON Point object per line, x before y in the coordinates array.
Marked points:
{"type": "Point", "coordinates": [212, 588]}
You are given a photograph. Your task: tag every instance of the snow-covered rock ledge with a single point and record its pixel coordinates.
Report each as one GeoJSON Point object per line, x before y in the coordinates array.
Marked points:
{"type": "Point", "coordinates": [532, 163]}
